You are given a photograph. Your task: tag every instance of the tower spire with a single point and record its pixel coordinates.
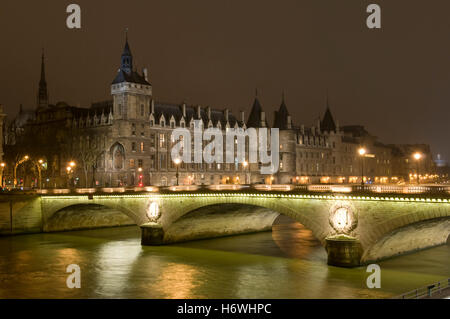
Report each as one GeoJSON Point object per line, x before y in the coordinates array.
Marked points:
{"type": "Point", "coordinates": [42, 96]}
{"type": "Point", "coordinates": [126, 64]}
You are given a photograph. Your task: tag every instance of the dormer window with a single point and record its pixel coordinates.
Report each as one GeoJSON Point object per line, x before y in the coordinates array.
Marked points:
{"type": "Point", "coordinates": [163, 123]}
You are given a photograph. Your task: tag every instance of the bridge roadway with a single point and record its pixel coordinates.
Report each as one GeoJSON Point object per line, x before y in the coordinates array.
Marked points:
{"type": "Point", "coordinates": [355, 226]}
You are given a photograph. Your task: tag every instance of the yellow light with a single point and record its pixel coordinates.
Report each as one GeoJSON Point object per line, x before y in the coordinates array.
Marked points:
{"type": "Point", "coordinates": [26, 157]}
{"type": "Point", "coordinates": [41, 161]}
{"type": "Point", "coordinates": [417, 156]}
{"type": "Point", "coordinates": [177, 161]}
{"type": "Point", "coordinates": [245, 163]}
{"type": "Point", "coordinates": [72, 164]}
{"type": "Point", "coordinates": [2, 164]}
{"type": "Point", "coordinates": [362, 151]}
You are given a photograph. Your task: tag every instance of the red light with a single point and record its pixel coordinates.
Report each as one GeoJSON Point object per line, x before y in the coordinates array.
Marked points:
{"type": "Point", "coordinates": [140, 184]}
{"type": "Point", "coordinates": [140, 176]}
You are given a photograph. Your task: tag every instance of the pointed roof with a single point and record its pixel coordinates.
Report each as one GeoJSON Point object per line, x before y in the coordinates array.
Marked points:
{"type": "Point", "coordinates": [126, 72]}
{"type": "Point", "coordinates": [42, 94]}
{"type": "Point", "coordinates": [254, 119]}
{"type": "Point", "coordinates": [126, 49]}
{"type": "Point", "coordinates": [328, 124]}
{"type": "Point", "coordinates": [281, 116]}
{"type": "Point", "coordinates": [42, 81]}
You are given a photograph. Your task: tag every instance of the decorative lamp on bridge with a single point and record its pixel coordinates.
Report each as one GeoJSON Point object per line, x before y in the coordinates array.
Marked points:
{"type": "Point", "coordinates": [362, 152]}
{"type": "Point", "coordinates": [418, 156]}
{"type": "Point", "coordinates": [177, 162]}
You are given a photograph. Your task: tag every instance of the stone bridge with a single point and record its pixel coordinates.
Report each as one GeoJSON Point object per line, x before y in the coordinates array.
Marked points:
{"type": "Point", "coordinates": [354, 228]}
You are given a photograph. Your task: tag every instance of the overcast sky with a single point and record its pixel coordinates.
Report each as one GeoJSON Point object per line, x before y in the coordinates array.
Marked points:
{"type": "Point", "coordinates": [394, 81]}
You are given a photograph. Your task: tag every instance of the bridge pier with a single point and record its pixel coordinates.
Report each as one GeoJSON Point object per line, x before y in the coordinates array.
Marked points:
{"type": "Point", "coordinates": [152, 234]}
{"type": "Point", "coordinates": [344, 252]}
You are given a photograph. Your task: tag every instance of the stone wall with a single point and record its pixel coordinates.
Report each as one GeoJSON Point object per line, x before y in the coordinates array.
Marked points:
{"type": "Point", "coordinates": [220, 220]}
{"type": "Point", "coordinates": [414, 237]}
{"type": "Point", "coordinates": [86, 216]}
{"type": "Point", "coordinates": [20, 214]}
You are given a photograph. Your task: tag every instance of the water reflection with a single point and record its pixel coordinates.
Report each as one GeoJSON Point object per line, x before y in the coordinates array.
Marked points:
{"type": "Point", "coordinates": [285, 263]}
{"type": "Point", "coordinates": [114, 267]}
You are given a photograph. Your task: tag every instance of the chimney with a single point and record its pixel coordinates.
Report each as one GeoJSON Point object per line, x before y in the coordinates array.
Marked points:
{"type": "Point", "coordinates": [302, 129]}
{"type": "Point", "coordinates": [152, 106]}
{"type": "Point", "coordinates": [242, 117]}
{"type": "Point", "coordinates": [289, 122]}
{"type": "Point", "coordinates": [263, 119]}
{"type": "Point", "coordinates": [208, 109]}
{"type": "Point", "coordinates": [313, 130]}
{"type": "Point", "coordinates": [227, 112]}
{"type": "Point", "coordinates": [318, 125]}
{"type": "Point", "coordinates": [337, 126]}
{"type": "Point", "coordinates": [184, 109]}
{"type": "Point", "coordinates": [145, 73]}
{"type": "Point", "coordinates": [199, 114]}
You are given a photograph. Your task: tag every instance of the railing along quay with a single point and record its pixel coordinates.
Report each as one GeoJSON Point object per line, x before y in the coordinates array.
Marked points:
{"type": "Point", "coordinates": [426, 291]}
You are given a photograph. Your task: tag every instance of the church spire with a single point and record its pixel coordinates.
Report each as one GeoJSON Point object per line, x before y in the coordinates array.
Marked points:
{"type": "Point", "coordinates": [127, 58]}
{"type": "Point", "coordinates": [42, 96]}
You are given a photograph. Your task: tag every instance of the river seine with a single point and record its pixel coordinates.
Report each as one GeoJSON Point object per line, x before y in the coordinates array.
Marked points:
{"type": "Point", "coordinates": [285, 263]}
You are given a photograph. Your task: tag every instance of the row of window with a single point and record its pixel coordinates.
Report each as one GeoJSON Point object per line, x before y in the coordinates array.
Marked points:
{"type": "Point", "coordinates": [161, 162]}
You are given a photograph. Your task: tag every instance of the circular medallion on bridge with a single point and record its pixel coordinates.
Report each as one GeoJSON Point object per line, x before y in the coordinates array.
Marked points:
{"type": "Point", "coordinates": [343, 217]}
{"type": "Point", "coordinates": [153, 212]}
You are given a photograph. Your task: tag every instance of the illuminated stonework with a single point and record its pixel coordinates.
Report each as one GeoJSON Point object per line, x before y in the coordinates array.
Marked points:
{"type": "Point", "coordinates": [343, 218]}
{"type": "Point", "coordinates": [153, 212]}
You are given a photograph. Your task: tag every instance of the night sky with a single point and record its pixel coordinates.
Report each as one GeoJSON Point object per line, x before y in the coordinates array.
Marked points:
{"type": "Point", "coordinates": [394, 81]}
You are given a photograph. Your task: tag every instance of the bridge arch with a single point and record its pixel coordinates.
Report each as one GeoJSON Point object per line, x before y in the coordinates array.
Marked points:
{"type": "Point", "coordinates": [411, 237]}
{"type": "Point", "coordinates": [313, 215]}
{"type": "Point", "coordinates": [88, 216]}
{"type": "Point", "coordinates": [82, 213]}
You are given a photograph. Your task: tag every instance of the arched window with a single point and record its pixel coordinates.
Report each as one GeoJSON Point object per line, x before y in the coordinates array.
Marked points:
{"type": "Point", "coordinates": [117, 152]}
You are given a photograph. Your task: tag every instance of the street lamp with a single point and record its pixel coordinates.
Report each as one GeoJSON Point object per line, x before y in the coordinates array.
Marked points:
{"type": "Point", "coordinates": [362, 152]}
{"type": "Point", "coordinates": [25, 158]}
{"type": "Point", "coordinates": [71, 165]}
{"type": "Point", "coordinates": [177, 162]}
{"type": "Point", "coordinates": [39, 165]}
{"type": "Point", "coordinates": [2, 167]}
{"type": "Point", "coordinates": [245, 164]}
{"type": "Point", "coordinates": [417, 156]}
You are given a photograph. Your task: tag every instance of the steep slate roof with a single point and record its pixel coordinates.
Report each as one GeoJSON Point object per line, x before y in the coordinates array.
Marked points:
{"type": "Point", "coordinates": [254, 119]}
{"type": "Point", "coordinates": [132, 77]}
{"type": "Point", "coordinates": [355, 130]}
{"type": "Point", "coordinates": [281, 116]}
{"type": "Point", "coordinates": [328, 123]}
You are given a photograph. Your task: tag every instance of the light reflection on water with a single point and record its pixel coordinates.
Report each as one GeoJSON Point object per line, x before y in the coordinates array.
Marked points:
{"type": "Point", "coordinates": [285, 263]}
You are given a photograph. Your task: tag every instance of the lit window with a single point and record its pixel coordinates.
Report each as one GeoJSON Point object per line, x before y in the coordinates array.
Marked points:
{"type": "Point", "coordinates": [162, 140]}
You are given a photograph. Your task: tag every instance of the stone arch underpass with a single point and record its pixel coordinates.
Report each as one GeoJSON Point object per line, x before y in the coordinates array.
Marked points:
{"type": "Point", "coordinates": [354, 229]}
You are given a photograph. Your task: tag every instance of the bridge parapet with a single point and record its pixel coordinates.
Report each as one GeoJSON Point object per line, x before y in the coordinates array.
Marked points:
{"type": "Point", "coordinates": [433, 189]}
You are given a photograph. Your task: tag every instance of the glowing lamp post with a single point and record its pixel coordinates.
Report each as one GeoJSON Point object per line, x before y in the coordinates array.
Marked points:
{"type": "Point", "coordinates": [177, 162]}
{"type": "Point", "coordinates": [418, 156]}
{"type": "Point", "coordinates": [25, 158]}
{"type": "Point", "coordinates": [245, 165]}
{"type": "Point", "coordinates": [362, 152]}
{"type": "Point", "coordinates": [69, 169]}
{"type": "Point", "coordinates": [2, 167]}
{"type": "Point", "coordinates": [39, 166]}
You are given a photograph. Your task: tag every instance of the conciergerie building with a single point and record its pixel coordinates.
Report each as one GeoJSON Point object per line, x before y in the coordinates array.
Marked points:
{"type": "Point", "coordinates": [127, 141]}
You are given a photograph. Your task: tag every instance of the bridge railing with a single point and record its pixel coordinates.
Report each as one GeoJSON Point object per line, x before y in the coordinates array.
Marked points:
{"type": "Point", "coordinates": [320, 188]}
{"type": "Point", "coordinates": [426, 291]}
